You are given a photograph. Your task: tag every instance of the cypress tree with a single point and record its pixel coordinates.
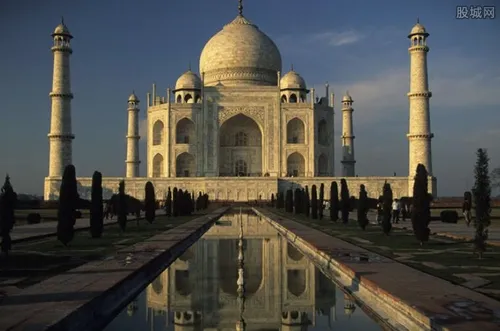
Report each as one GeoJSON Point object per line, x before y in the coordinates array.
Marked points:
{"type": "Point", "coordinates": [168, 203]}
{"type": "Point", "coordinates": [68, 199]}
{"type": "Point", "coordinates": [96, 206]}
{"type": "Point", "coordinates": [482, 201]}
{"type": "Point", "coordinates": [8, 201]}
{"type": "Point", "coordinates": [122, 206]}
{"type": "Point", "coordinates": [314, 203]}
{"type": "Point", "coordinates": [193, 203]}
{"type": "Point", "coordinates": [321, 200]}
{"type": "Point", "coordinates": [421, 211]}
{"type": "Point", "coordinates": [297, 201]}
{"type": "Point", "coordinates": [206, 201]}
{"type": "Point", "coordinates": [289, 201]}
{"type": "Point", "coordinates": [345, 200]}
{"type": "Point", "coordinates": [362, 207]}
{"type": "Point", "coordinates": [149, 202]}
{"type": "Point", "coordinates": [387, 208]}
{"type": "Point", "coordinates": [281, 200]}
{"type": "Point", "coordinates": [272, 199]}
{"type": "Point", "coordinates": [175, 202]}
{"type": "Point", "coordinates": [334, 202]}
{"type": "Point", "coordinates": [307, 202]}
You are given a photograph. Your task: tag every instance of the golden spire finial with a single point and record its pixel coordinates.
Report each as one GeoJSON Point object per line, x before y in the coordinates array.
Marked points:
{"type": "Point", "coordinates": [291, 67]}
{"type": "Point", "coordinates": [240, 7]}
{"type": "Point", "coordinates": [62, 20]}
{"type": "Point", "coordinates": [189, 66]}
{"type": "Point", "coordinates": [418, 21]}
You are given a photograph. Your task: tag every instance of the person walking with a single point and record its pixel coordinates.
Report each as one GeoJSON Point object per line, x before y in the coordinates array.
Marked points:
{"type": "Point", "coordinates": [466, 208]}
{"type": "Point", "coordinates": [396, 208]}
{"type": "Point", "coordinates": [380, 212]}
{"type": "Point", "coordinates": [404, 211]}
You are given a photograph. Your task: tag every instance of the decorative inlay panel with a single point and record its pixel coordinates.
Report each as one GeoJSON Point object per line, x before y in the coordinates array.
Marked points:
{"type": "Point", "coordinates": [256, 113]}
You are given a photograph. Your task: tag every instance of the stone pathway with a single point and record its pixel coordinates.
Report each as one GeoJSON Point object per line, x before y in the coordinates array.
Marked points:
{"type": "Point", "coordinates": [473, 280]}
{"type": "Point", "coordinates": [45, 229]}
{"type": "Point", "coordinates": [93, 289]}
{"type": "Point", "coordinates": [428, 299]}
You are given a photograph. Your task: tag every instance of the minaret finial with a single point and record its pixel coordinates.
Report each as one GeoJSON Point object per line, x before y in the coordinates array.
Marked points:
{"type": "Point", "coordinates": [291, 67]}
{"type": "Point", "coordinates": [62, 20]}
{"type": "Point", "coordinates": [240, 7]}
{"type": "Point", "coordinates": [418, 20]}
{"type": "Point", "coordinates": [189, 66]}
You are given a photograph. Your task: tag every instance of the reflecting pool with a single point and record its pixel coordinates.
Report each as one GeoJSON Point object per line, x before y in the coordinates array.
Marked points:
{"type": "Point", "coordinates": [242, 275]}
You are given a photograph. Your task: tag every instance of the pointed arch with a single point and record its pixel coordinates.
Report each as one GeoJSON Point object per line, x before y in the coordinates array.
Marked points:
{"type": "Point", "coordinates": [158, 165]}
{"type": "Point", "coordinates": [253, 266]}
{"type": "Point", "coordinates": [292, 98]}
{"type": "Point", "coordinates": [182, 282]}
{"type": "Point", "coordinates": [283, 98]}
{"type": "Point", "coordinates": [188, 98]}
{"type": "Point", "coordinates": [296, 281]}
{"type": "Point", "coordinates": [197, 99]}
{"type": "Point", "coordinates": [240, 139]}
{"type": "Point", "coordinates": [158, 133]}
{"type": "Point", "coordinates": [322, 133]}
{"type": "Point", "coordinates": [293, 252]}
{"type": "Point", "coordinates": [295, 131]}
{"type": "Point", "coordinates": [296, 165]}
{"type": "Point", "coordinates": [185, 131]}
{"type": "Point", "coordinates": [322, 165]}
{"type": "Point", "coordinates": [185, 165]}
{"type": "Point", "coordinates": [179, 98]}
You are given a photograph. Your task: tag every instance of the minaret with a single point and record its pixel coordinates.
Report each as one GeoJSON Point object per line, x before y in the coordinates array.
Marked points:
{"type": "Point", "coordinates": [60, 136]}
{"type": "Point", "coordinates": [132, 160]}
{"type": "Point", "coordinates": [419, 136]}
{"type": "Point", "coordinates": [348, 160]}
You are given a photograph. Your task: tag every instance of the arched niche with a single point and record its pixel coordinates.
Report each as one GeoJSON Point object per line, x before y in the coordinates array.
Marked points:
{"type": "Point", "coordinates": [295, 131]}
{"type": "Point", "coordinates": [296, 165]}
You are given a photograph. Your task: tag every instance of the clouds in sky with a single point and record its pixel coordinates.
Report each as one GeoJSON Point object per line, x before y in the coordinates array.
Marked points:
{"type": "Point", "coordinates": [337, 38]}
{"type": "Point", "coordinates": [464, 106]}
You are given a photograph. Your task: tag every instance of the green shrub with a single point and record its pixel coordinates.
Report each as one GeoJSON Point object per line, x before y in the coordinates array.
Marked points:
{"type": "Point", "coordinates": [33, 218]}
{"type": "Point", "coordinates": [449, 216]}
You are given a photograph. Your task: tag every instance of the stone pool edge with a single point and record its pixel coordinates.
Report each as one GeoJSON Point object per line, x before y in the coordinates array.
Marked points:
{"type": "Point", "coordinates": [378, 300]}
{"type": "Point", "coordinates": [126, 290]}
{"type": "Point", "coordinates": [107, 293]}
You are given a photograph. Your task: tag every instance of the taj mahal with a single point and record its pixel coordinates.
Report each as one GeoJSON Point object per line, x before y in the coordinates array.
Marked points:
{"type": "Point", "coordinates": [240, 129]}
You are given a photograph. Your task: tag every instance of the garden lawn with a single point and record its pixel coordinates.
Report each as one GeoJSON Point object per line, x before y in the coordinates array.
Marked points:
{"type": "Point", "coordinates": [47, 215]}
{"type": "Point", "coordinates": [445, 258]}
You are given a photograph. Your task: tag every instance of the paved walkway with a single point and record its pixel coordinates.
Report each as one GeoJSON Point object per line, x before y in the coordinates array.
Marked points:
{"type": "Point", "coordinates": [399, 292]}
{"type": "Point", "coordinates": [90, 294]}
{"type": "Point", "coordinates": [45, 229]}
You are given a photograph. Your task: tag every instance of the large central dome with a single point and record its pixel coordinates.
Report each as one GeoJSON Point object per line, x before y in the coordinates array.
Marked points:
{"type": "Point", "coordinates": [240, 54]}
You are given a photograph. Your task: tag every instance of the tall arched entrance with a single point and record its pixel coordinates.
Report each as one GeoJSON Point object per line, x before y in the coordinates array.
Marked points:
{"type": "Point", "coordinates": [240, 147]}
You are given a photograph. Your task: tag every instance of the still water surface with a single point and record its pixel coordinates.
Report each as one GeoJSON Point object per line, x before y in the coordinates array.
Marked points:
{"type": "Point", "coordinates": [242, 270]}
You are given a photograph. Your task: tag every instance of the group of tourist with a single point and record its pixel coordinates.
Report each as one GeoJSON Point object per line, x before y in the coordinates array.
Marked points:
{"type": "Point", "coordinates": [398, 210]}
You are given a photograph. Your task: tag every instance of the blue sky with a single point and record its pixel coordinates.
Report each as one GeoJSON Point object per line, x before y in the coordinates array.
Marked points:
{"type": "Point", "coordinates": [360, 46]}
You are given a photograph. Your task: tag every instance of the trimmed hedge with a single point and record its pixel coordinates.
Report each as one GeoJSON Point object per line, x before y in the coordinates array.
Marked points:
{"type": "Point", "coordinates": [33, 218]}
{"type": "Point", "coordinates": [449, 216]}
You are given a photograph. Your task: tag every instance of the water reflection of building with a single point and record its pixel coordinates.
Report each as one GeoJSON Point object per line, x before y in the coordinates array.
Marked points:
{"type": "Point", "coordinates": [282, 287]}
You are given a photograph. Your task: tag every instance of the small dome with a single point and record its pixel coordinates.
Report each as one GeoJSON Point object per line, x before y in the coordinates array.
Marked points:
{"type": "Point", "coordinates": [418, 29]}
{"type": "Point", "coordinates": [292, 80]}
{"type": "Point", "coordinates": [188, 80]}
{"type": "Point", "coordinates": [61, 29]}
{"type": "Point", "coordinates": [347, 98]}
{"type": "Point", "coordinates": [133, 98]}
